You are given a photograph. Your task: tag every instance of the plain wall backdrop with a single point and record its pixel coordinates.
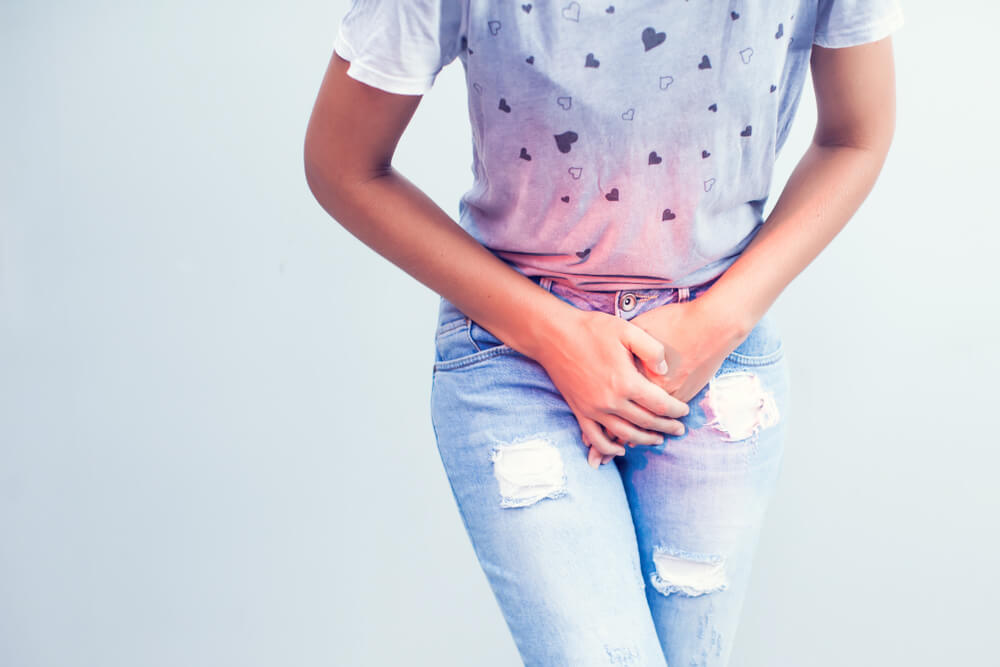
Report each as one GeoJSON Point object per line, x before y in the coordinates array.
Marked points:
{"type": "Point", "coordinates": [215, 440]}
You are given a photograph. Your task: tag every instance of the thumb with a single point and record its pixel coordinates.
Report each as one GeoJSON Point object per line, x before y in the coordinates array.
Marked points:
{"type": "Point", "coordinates": [646, 347]}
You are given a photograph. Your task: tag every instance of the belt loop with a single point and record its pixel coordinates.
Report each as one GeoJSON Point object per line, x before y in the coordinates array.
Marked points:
{"type": "Point", "coordinates": [546, 284]}
{"type": "Point", "coordinates": [683, 293]}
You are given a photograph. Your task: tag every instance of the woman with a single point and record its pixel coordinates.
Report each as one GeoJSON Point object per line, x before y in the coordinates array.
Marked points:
{"type": "Point", "coordinates": [608, 282]}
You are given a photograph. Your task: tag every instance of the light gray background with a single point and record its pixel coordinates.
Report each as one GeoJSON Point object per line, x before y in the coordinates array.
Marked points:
{"type": "Point", "coordinates": [215, 443]}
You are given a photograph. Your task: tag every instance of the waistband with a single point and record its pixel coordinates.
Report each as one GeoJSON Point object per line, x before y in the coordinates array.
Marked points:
{"type": "Point", "coordinates": [625, 303]}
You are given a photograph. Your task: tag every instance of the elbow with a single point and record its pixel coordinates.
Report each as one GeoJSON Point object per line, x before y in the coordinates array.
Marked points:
{"type": "Point", "coordinates": [317, 178]}
{"type": "Point", "coordinates": [323, 176]}
{"type": "Point", "coordinates": [874, 134]}
{"type": "Point", "coordinates": [331, 179]}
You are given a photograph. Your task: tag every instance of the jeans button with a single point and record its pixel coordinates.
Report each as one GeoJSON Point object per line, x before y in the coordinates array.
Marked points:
{"type": "Point", "coordinates": [628, 302]}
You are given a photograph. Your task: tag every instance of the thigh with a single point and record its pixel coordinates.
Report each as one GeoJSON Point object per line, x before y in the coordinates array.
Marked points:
{"type": "Point", "coordinates": [554, 536]}
{"type": "Point", "coordinates": [698, 500]}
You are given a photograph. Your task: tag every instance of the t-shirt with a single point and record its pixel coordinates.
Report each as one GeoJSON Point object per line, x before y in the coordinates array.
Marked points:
{"type": "Point", "coordinates": [615, 144]}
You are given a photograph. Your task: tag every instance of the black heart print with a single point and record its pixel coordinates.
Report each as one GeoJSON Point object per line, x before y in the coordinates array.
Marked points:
{"type": "Point", "coordinates": [564, 140]}
{"type": "Point", "coordinates": [651, 38]}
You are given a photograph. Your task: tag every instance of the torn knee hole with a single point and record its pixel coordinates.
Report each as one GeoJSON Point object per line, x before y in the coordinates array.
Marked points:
{"type": "Point", "coordinates": [687, 573]}
{"type": "Point", "coordinates": [528, 471]}
{"type": "Point", "coordinates": [739, 405]}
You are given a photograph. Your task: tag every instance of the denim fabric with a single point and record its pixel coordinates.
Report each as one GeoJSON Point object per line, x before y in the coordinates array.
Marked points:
{"type": "Point", "coordinates": [643, 561]}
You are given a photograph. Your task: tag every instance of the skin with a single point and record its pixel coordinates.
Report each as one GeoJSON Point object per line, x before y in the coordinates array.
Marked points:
{"type": "Point", "coordinates": [856, 100]}
{"type": "Point", "coordinates": [623, 394]}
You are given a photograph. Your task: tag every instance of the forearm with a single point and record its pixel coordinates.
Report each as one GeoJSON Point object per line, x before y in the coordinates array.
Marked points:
{"type": "Point", "coordinates": [399, 221]}
{"type": "Point", "coordinates": [826, 188]}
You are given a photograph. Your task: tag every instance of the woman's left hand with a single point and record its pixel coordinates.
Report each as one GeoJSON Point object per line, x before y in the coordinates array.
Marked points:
{"type": "Point", "coordinates": [697, 338]}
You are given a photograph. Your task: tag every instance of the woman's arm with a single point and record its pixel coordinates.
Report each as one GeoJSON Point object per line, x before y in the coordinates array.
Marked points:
{"type": "Point", "coordinates": [350, 141]}
{"type": "Point", "coordinates": [856, 99]}
{"type": "Point", "coordinates": [855, 91]}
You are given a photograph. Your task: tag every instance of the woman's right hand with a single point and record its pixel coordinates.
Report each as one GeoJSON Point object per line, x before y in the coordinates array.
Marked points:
{"type": "Point", "coordinates": [592, 363]}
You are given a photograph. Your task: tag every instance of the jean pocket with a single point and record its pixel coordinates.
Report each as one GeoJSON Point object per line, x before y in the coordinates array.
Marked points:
{"type": "Point", "coordinates": [460, 345]}
{"type": "Point", "coordinates": [761, 347]}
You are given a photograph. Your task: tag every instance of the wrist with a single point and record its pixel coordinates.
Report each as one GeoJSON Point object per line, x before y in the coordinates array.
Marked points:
{"type": "Point", "coordinates": [727, 319]}
{"type": "Point", "coordinates": [551, 323]}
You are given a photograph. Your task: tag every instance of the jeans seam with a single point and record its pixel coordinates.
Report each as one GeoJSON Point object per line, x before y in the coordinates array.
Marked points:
{"type": "Point", "coordinates": [474, 358]}
{"type": "Point", "coordinates": [761, 360]}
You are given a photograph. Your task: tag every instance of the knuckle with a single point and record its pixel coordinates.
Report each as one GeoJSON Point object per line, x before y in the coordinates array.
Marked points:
{"type": "Point", "coordinates": [609, 400]}
{"type": "Point", "coordinates": [670, 409]}
{"type": "Point", "coordinates": [618, 383]}
{"type": "Point", "coordinates": [632, 386]}
{"type": "Point", "coordinates": [619, 432]}
{"type": "Point", "coordinates": [646, 421]}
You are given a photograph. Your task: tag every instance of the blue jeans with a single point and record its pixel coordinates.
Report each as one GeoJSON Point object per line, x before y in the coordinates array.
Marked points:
{"type": "Point", "coordinates": [644, 561]}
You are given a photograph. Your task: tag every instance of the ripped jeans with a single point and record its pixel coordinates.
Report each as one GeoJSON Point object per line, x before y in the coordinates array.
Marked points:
{"type": "Point", "coordinates": [643, 561]}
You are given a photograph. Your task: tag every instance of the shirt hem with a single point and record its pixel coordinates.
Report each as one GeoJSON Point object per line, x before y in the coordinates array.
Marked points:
{"type": "Point", "coordinates": [376, 78]}
{"type": "Point", "coordinates": [871, 32]}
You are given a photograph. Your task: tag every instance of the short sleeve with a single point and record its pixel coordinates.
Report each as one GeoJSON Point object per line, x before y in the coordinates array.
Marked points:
{"type": "Point", "coordinates": [399, 46]}
{"type": "Point", "coordinates": [841, 23]}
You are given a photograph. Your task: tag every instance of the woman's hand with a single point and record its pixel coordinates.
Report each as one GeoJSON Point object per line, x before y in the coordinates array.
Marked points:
{"type": "Point", "coordinates": [592, 364]}
{"type": "Point", "coordinates": [696, 338]}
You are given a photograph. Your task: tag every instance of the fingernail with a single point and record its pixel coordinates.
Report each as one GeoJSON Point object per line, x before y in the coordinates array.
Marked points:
{"type": "Point", "coordinates": [661, 367]}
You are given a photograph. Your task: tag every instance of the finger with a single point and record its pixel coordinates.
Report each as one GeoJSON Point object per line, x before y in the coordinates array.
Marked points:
{"type": "Point", "coordinates": [645, 346]}
{"type": "Point", "coordinates": [590, 448]}
{"type": "Point", "coordinates": [587, 427]}
{"type": "Point", "coordinates": [615, 439]}
{"type": "Point", "coordinates": [596, 459]}
{"type": "Point", "coordinates": [629, 432]}
{"type": "Point", "coordinates": [598, 440]}
{"type": "Point", "coordinates": [657, 400]}
{"type": "Point", "coordinates": [643, 418]}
